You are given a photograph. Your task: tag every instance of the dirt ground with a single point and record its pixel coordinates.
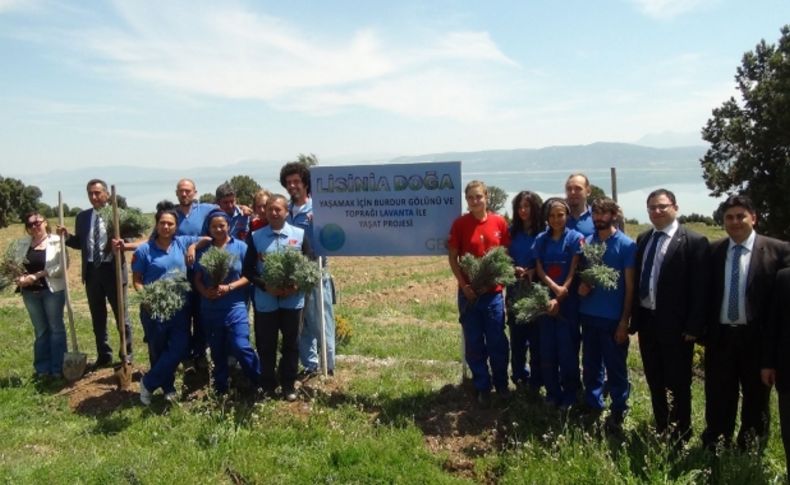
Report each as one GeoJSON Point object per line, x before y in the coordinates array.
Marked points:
{"type": "Point", "coordinates": [453, 426]}
{"type": "Point", "coordinates": [387, 275]}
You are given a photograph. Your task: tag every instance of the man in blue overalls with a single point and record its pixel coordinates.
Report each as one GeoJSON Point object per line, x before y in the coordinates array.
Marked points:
{"type": "Point", "coordinates": [605, 315]}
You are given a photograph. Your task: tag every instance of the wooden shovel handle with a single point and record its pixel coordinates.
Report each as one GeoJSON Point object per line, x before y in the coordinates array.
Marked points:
{"type": "Point", "coordinates": [64, 265]}
{"type": "Point", "coordinates": [119, 276]}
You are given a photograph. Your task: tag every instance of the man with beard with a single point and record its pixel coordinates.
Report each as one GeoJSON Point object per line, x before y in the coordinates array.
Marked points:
{"type": "Point", "coordinates": [605, 314]}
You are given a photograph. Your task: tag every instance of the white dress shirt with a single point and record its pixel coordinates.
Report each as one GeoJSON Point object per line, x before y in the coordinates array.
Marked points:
{"type": "Point", "coordinates": [661, 251]}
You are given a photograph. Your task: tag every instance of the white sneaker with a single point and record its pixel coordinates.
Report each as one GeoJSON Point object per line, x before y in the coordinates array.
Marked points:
{"type": "Point", "coordinates": [171, 397]}
{"type": "Point", "coordinates": [145, 394]}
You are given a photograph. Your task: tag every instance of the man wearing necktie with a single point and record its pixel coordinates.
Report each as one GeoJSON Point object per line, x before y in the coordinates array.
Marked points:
{"type": "Point", "coordinates": [744, 267]}
{"type": "Point", "coordinates": [92, 236]}
{"type": "Point", "coordinates": [672, 281]}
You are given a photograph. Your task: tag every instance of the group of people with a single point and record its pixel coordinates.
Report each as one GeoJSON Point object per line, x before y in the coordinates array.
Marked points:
{"type": "Point", "coordinates": [215, 314]}
{"type": "Point", "coordinates": [674, 289]}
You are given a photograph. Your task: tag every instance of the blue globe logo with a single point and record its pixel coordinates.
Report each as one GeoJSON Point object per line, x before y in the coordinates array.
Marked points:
{"type": "Point", "coordinates": [332, 237]}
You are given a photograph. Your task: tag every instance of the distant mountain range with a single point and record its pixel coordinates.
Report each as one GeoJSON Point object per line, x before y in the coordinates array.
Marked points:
{"type": "Point", "coordinates": [541, 169]}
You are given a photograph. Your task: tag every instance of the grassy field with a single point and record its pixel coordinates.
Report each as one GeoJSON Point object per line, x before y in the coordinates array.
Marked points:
{"type": "Point", "coordinates": [394, 412]}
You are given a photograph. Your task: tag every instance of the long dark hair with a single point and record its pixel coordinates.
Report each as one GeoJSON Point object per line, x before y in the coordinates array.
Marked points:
{"type": "Point", "coordinates": [534, 213]}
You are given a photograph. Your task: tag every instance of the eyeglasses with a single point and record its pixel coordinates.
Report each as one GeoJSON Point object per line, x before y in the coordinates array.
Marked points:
{"type": "Point", "coordinates": [658, 207]}
{"type": "Point", "coordinates": [31, 224]}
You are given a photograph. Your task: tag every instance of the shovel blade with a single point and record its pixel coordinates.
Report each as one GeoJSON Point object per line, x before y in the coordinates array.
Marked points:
{"type": "Point", "coordinates": [124, 375]}
{"type": "Point", "coordinates": [74, 365]}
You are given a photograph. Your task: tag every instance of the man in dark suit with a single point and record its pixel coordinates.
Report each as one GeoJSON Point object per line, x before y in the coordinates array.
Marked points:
{"type": "Point", "coordinates": [743, 267]}
{"type": "Point", "coordinates": [776, 354]}
{"type": "Point", "coordinates": [672, 270]}
{"type": "Point", "coordinates": [92, 236]}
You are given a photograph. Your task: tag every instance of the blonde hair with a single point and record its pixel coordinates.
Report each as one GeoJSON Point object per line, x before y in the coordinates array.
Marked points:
{"type": "Point", "coordinates": [260, 194]}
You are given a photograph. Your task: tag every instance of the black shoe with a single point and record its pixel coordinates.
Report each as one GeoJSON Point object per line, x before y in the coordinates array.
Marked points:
{"type": "Point", "coordinates": [101, 362]}
{"type": "Point", "coordinates": [484, 399]}
{"type": "Point", "coordinates": [614, 423]}
{"type": "Point", "coordinates": [289, 395]}
{"type": "Point", "coordinates": [504, 393]}
{"type": "Point", "coordinates": [307, 374]}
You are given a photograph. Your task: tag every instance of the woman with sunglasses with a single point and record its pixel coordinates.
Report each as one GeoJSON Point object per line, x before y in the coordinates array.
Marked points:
{"type": "Point", "coordinates": [43, 291]}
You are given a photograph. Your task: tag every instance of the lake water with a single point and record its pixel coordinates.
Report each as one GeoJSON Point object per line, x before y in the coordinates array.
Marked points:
{"type": "Point", "coordinates": [634, 185]}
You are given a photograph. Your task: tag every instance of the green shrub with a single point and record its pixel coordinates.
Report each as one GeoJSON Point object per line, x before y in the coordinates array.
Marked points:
{"type": "Point", "coordinates": [494, 268]}
{"type": "Point", "coordinates": [290, 268]}
{"type": "Point", "coordinates": [163, 298]}
{"type": "Point", "coordinates": [216, 261]}
{"type": "Point", "coordinates": [597, 273]}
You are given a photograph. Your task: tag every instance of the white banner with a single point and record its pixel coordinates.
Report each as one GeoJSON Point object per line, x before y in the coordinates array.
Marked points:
{"type": "Point", "coordinates": [385, 210]}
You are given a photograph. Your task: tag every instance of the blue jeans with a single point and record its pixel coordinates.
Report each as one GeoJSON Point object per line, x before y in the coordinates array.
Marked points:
{"type": "Point", "coordinates": [599, 351]}
{"type": "Point", "coordinates": [309, 338]}
{"type": "Point", "coordinates": [483, 323]}
{"type": "Point", "coordinates": [168, 344]}
{"type": "Point", "coordinates": [46, 312]}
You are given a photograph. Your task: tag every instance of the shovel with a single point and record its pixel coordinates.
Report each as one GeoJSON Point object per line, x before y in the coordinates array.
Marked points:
{"type": "Point", "coordinates": [74, 362]}
{"type": "Point", "coordinates": [124, 372]}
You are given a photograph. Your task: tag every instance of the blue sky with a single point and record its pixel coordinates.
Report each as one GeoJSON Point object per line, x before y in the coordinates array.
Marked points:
{"type": "Point", "coordinates": [189, 84]}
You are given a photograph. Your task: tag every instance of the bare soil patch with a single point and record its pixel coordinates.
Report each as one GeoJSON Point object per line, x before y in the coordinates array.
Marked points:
{"type": "Point", "coordinates": [376, 272]}
{"type": "Point", "coordinates": [97, 393]}
{"type": "Point", "coordinates": [453, 424]}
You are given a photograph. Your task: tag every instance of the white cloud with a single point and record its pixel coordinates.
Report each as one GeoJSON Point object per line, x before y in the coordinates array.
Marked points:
{"type": "Point", "coordinates": [15, 5]}
{"type": "Point", "coordinates": [226, 52]}
{"type": "Point", "coordinates": [664, 9]}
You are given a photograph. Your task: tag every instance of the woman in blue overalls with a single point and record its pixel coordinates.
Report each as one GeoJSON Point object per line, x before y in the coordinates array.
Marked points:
{"type": "Point", "coordinates": [557, 252]}
{"type": "Point", "coordinates": [223, 306]}
{"type": "Point", "coordinates": [162, 256]}
{"type": "Point", "coordinates": [524, 336]}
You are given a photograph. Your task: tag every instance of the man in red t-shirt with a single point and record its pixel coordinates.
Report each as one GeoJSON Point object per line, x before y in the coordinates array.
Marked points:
{"type": "Point", "coordinates": [482, 316]}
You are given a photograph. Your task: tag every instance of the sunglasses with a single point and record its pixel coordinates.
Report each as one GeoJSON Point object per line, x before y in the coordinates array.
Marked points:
{"type": "Point", "coordinates": [31, 224]}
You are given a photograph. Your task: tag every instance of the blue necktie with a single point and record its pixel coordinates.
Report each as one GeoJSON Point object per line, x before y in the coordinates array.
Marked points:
{"type": "Point", "coordinates": [735, 279]}
{"type": "Point", "coordinates": [97, 252]}
{"type": "Point", "coordinates": [647, 271]}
